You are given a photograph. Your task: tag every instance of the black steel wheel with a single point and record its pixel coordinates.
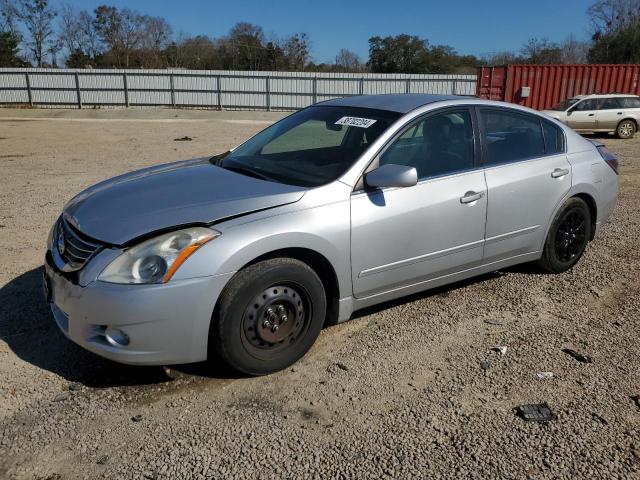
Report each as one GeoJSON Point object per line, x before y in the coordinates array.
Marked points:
{"type": "Point", "coordinates": [268, 316]}
{"type": "Point", "coordinates": [568, 236]}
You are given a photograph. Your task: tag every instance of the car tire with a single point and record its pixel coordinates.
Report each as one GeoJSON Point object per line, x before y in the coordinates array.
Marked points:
{"type": "Point", "coordinates": [626, 129]}
{"type": "Point", "coordinates": [268, 316]}
{"type": "Point", "coordinates": [568, 237]}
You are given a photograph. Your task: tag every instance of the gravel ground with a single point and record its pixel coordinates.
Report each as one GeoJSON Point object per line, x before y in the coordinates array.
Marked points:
{"type": "Point", "coordinates": [408, 389]}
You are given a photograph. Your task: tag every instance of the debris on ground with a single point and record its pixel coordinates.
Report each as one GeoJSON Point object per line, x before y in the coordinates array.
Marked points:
{"type": "Point", "coordinates": [544, 375]}
{"type": "Point", "coordinates": [102, 460]}
{"type": "Point", "coordinates": [485, 364]}
{"type": "Point", "coordinates": [600, 418]}
{"type": "Point", "coordinates": [540, 412]}
{"type": "Point", "coordinates": [491, 321]}
{"type": "Point", "coordinates": [75, 386]}
{"type": "Point", "coordinates": [137, 418]}
{"type": "Point", "coordinates": [581, 357]}
{"type": "Point", "coordinates": [183, 139]}
{"type": "Point", "coordinates": [335, 366]}
{"type": "Point", "coordinates": [636, 400]}
{"type": "Point", "coordinates": [61, 397]}
{"type": "Point", "coordinates": [501, 349]}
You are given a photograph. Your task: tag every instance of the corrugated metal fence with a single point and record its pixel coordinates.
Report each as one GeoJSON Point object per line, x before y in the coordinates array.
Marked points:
{"type": "Point", "coordinates": [209, 88]}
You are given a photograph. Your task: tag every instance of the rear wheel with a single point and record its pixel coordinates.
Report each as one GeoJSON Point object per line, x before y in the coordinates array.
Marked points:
{"type": "Point", "coordinates": [568, 237]}
{"type": "Point", "coordinates": [269, 316]}
{"type": "Point", "coordinates": [626, 129]}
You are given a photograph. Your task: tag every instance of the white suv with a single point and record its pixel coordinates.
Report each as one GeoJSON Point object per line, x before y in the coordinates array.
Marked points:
{"type": "Point", "coordinates": [615, 113]}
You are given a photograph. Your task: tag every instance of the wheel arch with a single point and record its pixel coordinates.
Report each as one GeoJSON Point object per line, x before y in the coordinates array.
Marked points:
{"type": "Point", "coordinates": [635, 122]}
{"type": "Point", "coordinates": [320, 264]}
{"type": "Point", "coordinates": [593, 210]}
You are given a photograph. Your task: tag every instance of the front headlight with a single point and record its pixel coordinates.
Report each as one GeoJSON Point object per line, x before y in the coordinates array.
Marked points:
{"type": "Point", "coordinates": [157, 259]}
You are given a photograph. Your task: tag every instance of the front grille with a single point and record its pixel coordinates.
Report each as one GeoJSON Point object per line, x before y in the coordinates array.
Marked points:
{"type": "Point", "coordinates": [74, 247]}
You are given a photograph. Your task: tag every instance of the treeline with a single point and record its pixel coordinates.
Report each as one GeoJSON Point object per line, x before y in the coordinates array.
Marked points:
{"type": "Point", "coordinates": [34, 33]}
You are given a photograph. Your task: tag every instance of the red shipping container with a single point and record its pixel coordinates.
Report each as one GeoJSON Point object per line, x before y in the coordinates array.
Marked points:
{"type": "Point", "coordinates": [543, 86]}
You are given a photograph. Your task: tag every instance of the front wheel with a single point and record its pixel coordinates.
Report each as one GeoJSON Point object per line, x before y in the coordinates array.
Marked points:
{"type": "Point", "coordinates": [626, 129]}
{"type": "Point", "coordinates": [269, 316]}
{"type": "Point", "coordinates": [568, 237]}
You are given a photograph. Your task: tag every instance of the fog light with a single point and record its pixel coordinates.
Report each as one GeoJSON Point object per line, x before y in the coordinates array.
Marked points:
{"type": "Point", "coordinates": [116, 337]}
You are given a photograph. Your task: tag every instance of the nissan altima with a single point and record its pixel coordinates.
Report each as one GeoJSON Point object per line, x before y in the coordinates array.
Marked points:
{"type": "Point", "coordinates": [342, 205]}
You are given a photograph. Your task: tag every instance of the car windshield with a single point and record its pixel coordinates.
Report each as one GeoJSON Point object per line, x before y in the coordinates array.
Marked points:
{"type": "Point", "coordinates": [566, 104]}
{"type": "Point", "coordinates": [311, 147]}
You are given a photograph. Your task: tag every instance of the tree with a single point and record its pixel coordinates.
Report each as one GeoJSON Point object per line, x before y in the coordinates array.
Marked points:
{"type": "Point", "coordinates": [38, 19]}
{"type": "Point", "coordinates": [541, 51]}
{"type": "Point", "coordinates": [9, 56]}
{"type": "Point", "coordinates": [246, 49]}
{"type": "Point", "coordinates": [616, 31]}
{"type": "Point", "coordinates": [296, 51]}
{"type": "Point", "coordinates": [348, 61]}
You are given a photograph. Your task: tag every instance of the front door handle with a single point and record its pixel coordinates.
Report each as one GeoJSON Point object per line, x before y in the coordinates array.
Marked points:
{"type": "Point", "coordinates": [560, 172]}
{"type": "Point", "coordinates": [591, 114]}
{"type": "Point", "coordinates": [471, 197]}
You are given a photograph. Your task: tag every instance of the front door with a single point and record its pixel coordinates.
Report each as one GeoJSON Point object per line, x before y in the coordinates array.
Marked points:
{"type": "Point", "coordinates": [403, 236]}
{"type": "Point", "coordinates": [584, 115]}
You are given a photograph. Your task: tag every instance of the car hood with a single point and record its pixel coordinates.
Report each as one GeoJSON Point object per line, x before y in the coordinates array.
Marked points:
{"type": "Point", "coordinates": [136, 204]}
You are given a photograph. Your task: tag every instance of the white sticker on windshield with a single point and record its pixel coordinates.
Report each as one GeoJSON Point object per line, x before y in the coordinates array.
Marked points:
{"type": "Point", "coordinates": [356, 122]}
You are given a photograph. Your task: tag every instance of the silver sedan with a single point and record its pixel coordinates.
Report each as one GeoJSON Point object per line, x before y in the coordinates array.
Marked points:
{"type": "Point", "coordinates": [340, 206]}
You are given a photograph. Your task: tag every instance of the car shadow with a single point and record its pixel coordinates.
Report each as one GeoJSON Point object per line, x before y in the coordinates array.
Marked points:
{"type": "Point", "coordinates": [28, 328]}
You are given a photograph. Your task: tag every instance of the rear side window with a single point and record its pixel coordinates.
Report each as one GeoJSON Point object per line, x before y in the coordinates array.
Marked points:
{"type": "Point", "coordinates": [630, 102]}
{"type": "Point", "coordinates": [510, 136]}
{"type": "Point", "coordinates": [553, 138]}
{"type": "Point", "coordinates": [611, 103]}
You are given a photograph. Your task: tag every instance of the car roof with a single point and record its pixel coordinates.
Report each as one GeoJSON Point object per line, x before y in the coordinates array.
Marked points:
{"type": "Point", "coordinates": [394, 102]}
{"type": "Point", "coordinates": [605, 95]}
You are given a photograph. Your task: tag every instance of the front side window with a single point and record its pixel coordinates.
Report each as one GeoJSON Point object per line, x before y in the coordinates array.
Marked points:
{"type": "Point", "coordinates": [311, 147]}
{"type": "Point", "coordinates": [511, 136]}
{"type": "Point", "coordinates": [566, 104]}
{"type": "Point", "coordinates": [586, 105]}
{"type": "Point", "coordinates": [436, 145]}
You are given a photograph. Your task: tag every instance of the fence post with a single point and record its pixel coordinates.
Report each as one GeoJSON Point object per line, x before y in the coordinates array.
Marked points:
{"type": "Point", "coordinates": [268, 93]}
{"type": "Point", "coordinates": [126, 90]}
{"type": "Point", "coordinates": [173, 92]}
{"type": "Point", "coordinates": [219, 85]}
{"type": "Point", "coordinates": [453, 88]}
{"type": "Point", "coordinates": [408, 86]}
{"type": "Point", "coordinates": [78, 90]}
{"type": "Point", "coordinates": [315, 89]}
{"type": "Point", "coordinates": [361, 89]}
{"type": "Point", "coordinates": [26, 76]}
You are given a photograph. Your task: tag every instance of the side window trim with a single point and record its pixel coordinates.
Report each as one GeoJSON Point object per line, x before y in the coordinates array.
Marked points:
{"type": "Point", "coordinates": [375, 161]}
{"type": "Point", "coordinates": [485, 160]}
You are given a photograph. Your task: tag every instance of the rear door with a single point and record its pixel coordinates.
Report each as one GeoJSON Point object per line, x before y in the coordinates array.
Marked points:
{"type": "Point", "coordinates": [611, 111]}
{"type": "Point", "coordinates": [404, 236]}
{"type": "Point", "coordinates": [527, 174]}
{"type": "Point", "coordinates": [584, 115]}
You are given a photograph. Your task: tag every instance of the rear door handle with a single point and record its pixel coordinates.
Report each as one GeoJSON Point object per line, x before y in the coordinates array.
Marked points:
{"type": "Point", "coordinates": [591, 114]}
{"type": "Point", "coordinates": [560, 172]}
{"type": "Point", "coordinates": [471, 197]}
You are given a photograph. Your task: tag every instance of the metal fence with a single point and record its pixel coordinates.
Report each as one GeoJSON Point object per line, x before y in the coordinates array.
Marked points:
{"type": "Point", "coordinates": [208, 88]}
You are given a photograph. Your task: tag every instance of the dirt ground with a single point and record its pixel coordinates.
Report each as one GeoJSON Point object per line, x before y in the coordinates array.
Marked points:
{"type": "Point", "coordinates": [408, 389]}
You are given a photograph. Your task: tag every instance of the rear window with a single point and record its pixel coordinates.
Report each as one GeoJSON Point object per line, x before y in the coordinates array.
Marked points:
{"type": "Point", "coordinates": [510, 136]}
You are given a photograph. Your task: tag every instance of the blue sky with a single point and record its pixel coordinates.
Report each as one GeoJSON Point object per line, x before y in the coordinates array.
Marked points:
{"type": "Point", "coordinates": [470, 26]}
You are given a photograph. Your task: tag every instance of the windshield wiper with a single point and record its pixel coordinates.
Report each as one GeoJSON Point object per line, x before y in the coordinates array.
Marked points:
{"type": "Point", "coordinates": [247, 171]}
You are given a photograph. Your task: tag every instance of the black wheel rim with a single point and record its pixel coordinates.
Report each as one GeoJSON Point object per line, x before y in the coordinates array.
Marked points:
{"type": "Point", "coordinates": [571, 236]}
{"type": "Point", "coordinates": [275, 320]}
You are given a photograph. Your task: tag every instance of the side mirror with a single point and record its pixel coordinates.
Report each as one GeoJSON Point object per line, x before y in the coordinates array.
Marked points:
{"type": "Point", "coordinates": [392, 176]}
